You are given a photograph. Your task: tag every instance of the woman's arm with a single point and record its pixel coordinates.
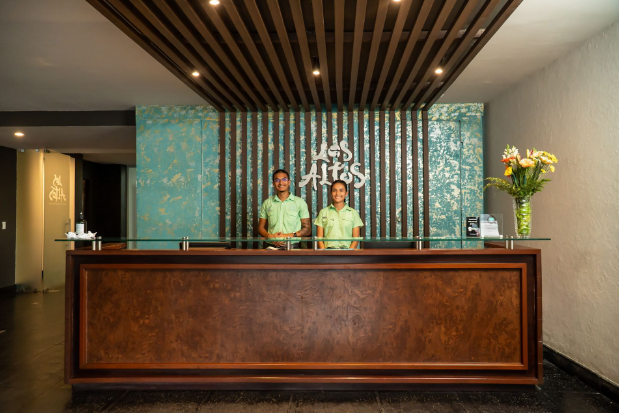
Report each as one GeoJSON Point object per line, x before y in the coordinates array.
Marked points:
{"type": "Point", "coordinates": [320, 233]}
{"type": "Point", "coordinates": [355, 233]}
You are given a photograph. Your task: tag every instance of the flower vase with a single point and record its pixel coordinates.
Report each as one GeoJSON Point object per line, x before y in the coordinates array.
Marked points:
{"type": "Point", "coordinates": [522, 219]}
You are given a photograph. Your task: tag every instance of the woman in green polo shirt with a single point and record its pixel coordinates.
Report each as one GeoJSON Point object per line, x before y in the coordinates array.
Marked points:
{"type": "Point", "coordinates": [338, 220]}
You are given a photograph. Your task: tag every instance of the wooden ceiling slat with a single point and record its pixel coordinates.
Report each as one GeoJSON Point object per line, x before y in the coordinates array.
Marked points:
{"type": "Point", "coordinates": [393, 44]}
{"type": "Point", "coordinates": [408, 50]}
{"type": "Point", "coordinates": [276, 13]}
{"type": "Point", "coordinates": [297, 15]}
{"type": "Point", "coordinates": [210, 39]}
{"type": "Point", "coordinates": [463, 46]}
{"type": "Point", "coordinates": [253, 51]}
{"type": "Point", "coordinates": [461, 19]}
{"type": "Point", "coordinates": [429, 42]}
{"type": "Point", "coordinates": [254, 12]}
{"type": "Point", "coordinates": [319, 25]}
{"type": "Point", "coordinates": [356, 49]}
{"type": "Point", "coordinates": [181, 74]}
{"type": "Point", "coordinates": [492, 28]}
{"type": "Point", "coordinates": [379, 24]}
{"type": "Point", "coordinates": [339, 51]}
{"type": "Point", "coordinates": [208, 57]}
{"type": "Point", "coordinates": [204, 70]}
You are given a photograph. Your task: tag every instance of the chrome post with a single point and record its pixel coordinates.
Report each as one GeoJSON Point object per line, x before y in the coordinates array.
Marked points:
{"type": "Point", "coordinates": [511, 243]}
{"type": "Point", "coordinates": [507, 242]}
{"type": "Point", "coordinates": [96, 244]}
{"type": "Point", "coordinates": [315, 243]}
{"type": "Point", "coordinates": [185, 244]}
{"type": "Point", "coordinates": [288, 244]}
{"type": "Point", "coordinates": [419, 243]}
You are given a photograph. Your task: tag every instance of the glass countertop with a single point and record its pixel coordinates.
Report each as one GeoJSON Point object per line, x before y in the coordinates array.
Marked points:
{"type": "Point", "coordinates": [308, 239]}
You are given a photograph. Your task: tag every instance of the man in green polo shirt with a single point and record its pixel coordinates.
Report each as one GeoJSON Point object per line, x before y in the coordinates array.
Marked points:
{"type": "Point", "coordinates": [287, 215]}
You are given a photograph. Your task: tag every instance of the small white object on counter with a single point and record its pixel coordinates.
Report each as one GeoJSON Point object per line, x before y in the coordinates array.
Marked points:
{"type": "Point", "coordinates": [88, 235]}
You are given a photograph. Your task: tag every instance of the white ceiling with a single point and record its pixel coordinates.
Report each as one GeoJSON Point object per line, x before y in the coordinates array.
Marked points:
{"type": "Point", "coordinates": [62, 55]}
{"type": "Point", "coordinates": [537, 34]}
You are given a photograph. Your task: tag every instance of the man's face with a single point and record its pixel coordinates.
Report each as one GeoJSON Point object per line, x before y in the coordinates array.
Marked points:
{"type": "Point", "coordinates": [281, 182]}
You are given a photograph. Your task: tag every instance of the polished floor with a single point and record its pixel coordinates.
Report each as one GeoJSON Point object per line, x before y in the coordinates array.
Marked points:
{"type": "Point", "coordinates": [31, 370]}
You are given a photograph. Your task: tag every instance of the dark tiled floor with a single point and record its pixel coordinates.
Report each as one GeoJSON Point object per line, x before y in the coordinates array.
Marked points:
{"type": "Point", "coordinates": [31, 357]}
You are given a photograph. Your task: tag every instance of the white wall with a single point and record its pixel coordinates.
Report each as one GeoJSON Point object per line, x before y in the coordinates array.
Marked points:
{"type": "Point", "coordinates": [571, 109]}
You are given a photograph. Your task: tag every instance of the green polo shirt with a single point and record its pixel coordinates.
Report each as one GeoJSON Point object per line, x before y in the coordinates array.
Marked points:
{"type": "Point", "coordinates": [338, 224]}
{"type": "Point", "coordinates": [284, 217]}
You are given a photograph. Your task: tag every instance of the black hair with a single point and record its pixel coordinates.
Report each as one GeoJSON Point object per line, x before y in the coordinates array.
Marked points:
{"type": "Point", "coordinates": [339, 181]}
{"type": "Point", "coordinates": [283, 171]}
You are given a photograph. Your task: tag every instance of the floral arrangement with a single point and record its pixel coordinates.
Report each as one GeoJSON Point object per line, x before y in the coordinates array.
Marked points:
{"type": "Point", "coordinates": [527, 178]}
{"type": "Point", "coordinates": [527, 174]}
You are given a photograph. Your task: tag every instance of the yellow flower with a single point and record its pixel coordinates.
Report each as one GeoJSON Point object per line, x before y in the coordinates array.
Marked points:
{"type": "Point", "coordinates": [552, 168]}
{"type": "Point", "coordinates": [508, 171]}
{"type": "Point", "coordinates": [526, 163]}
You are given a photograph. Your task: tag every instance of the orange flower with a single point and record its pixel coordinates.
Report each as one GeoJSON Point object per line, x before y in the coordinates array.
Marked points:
{"type": "Point", "coordinates": [527, 163]}
{"type": "Point", "coordinates": [507, 160]}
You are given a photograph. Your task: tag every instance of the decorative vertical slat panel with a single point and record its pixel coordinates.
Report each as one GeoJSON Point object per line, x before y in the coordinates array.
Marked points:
{"type": "Point", "coordinates": [426, 175]}
{"type": "Point", "coordinates": [273, 153]}
{"type": "Point", "coordinates": [367, 164]}
{"type": "Point", "coordinates": [404, 169]}
{"type": "Point", "coordinates": [245, 136]}
{"type": "Point", "coordinates": [374, 209]}
{"type": "Point", "coordinates": [395, 171]}
{"type": "Point", "coordinates": [383, 131]}
{"type": "Point", "coordinates": [222, 172]}
{"type": "Point", "coordinates": [209, 176]}
{"type": "Point", "coordinates": [255, 180]}
{"type": "Point", "coordinates": [229, 173]}
{"type": "Point", "coordinates": [293, 143]}
{"type": "Point", "coordinates": [281, 163]}
{"type": "Point", "coordinates": [415, 219]}
{"type": "Point", "coordinates": [316, 127]}
{"type": "Point", "coordinates": [350, 126]}
{"type": "Point", "coordinates": [326, 124]}
{"type": "Point", "coordinates": [263, 137]}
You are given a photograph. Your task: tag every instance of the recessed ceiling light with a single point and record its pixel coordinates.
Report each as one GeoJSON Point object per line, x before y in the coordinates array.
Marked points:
{"type": "Point", "coordinates": [195, 73]}
{"type": "Point", "coordinates": [397, 1]}
{"type": "Point", "coordinates": [214, 2]}
{"type": "Point", "coordinates": [438, 71]}
{"type": "Point", "coordinates": [315, 66]}
{"type": "Point", "coordinates": [19, 134]}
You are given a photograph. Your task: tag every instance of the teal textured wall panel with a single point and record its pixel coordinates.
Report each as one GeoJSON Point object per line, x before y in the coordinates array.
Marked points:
{"type": "Point", "coordinates": [191, 133]}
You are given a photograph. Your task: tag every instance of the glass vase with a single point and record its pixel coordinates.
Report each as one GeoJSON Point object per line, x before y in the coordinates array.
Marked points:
{"type": "Point", "coordinates": [522, 217]}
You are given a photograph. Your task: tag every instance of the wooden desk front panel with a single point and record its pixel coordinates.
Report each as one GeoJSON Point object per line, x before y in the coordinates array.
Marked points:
{"type": "Point", "coordinates": [322, 316]}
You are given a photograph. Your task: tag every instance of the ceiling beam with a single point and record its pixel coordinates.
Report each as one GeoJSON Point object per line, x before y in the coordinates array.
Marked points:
{"type": "Point", "coordinates": [319, 24]}
{"type": "Point", "coordinates": [210, 39]}
{"type": "Point", "coordinates": [205, 71]}
{"type": "Point", "coordinates": [208, 57]}
{"type": "Point", "coordinates": [492, 28]}
{"type": "Point", "coordinates": [427, 46]}
{"type": "Point", "coordinates": [253, 51]}
{"type": "Point", "coordinates": [410, 45]}
{"type": "Point", "coordinates": [278, 20]}
{"type": "Point", "coordinates": [338, 7]}
{"type": "Point", "coordinates": [141, 39]}
{"type": "Point", "coordinates": [356, 49]}
{"type": "Point", "coordinates": [463, 16]}
{"type": "Point", "coordinates": [405, 6]}
{"type": "Point", "coordinates": [463, 46]}
{"type": "Point", "coordinates": [254, 12]}
{"type": "Point", "coordinates": [299, 24]}
{"type": "Point", "coordinates": [379, 24]}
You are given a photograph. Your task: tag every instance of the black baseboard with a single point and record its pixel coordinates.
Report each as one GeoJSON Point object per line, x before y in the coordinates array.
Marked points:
{"type": "Point", "coordinates": [592, 379]}
{"type": "Point", "coordinates": [8, 290]}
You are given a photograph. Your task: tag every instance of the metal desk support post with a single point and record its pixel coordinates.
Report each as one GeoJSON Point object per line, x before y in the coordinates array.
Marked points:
{"type": "Point", "coordinates": [96, 244]}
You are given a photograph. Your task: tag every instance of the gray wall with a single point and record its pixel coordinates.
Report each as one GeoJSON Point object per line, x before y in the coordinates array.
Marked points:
{"type": "Point", "coordinates": [571, 109]}
{"type": "Point", "coordinates": [8, 188]}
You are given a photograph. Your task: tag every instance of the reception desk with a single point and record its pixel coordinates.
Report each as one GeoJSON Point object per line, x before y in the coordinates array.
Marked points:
{"type": "Point", "coordinates": [256, 319]}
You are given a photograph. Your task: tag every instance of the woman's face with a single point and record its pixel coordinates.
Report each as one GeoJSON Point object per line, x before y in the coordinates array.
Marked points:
{"type": "Point", "coordinates": [338, 192]}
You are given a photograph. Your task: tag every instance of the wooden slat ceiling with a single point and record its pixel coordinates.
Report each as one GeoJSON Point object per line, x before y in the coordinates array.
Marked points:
{"type": "Point", "coordinates": [259, 54]}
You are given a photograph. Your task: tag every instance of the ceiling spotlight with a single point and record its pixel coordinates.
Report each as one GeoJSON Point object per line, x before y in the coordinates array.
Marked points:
{"type": "Point", "coordinates": [195, 73]}
{"type": "Point", "coordinates": [213, 2]}
{"type": "Point", "coordinates": [397, 1]}
{"type": "Point", "coordinates": [438, 70]}
{"type": "Point", "coordinates": [19, 134]}
{"type": "Point", "coordinates": [315, 66]}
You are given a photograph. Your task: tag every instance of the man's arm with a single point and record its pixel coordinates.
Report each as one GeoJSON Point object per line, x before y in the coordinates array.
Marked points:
{"type": "Point", "coordinates": [262, 230]}
{"type": "Point", "coordinates": [306, 228]}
